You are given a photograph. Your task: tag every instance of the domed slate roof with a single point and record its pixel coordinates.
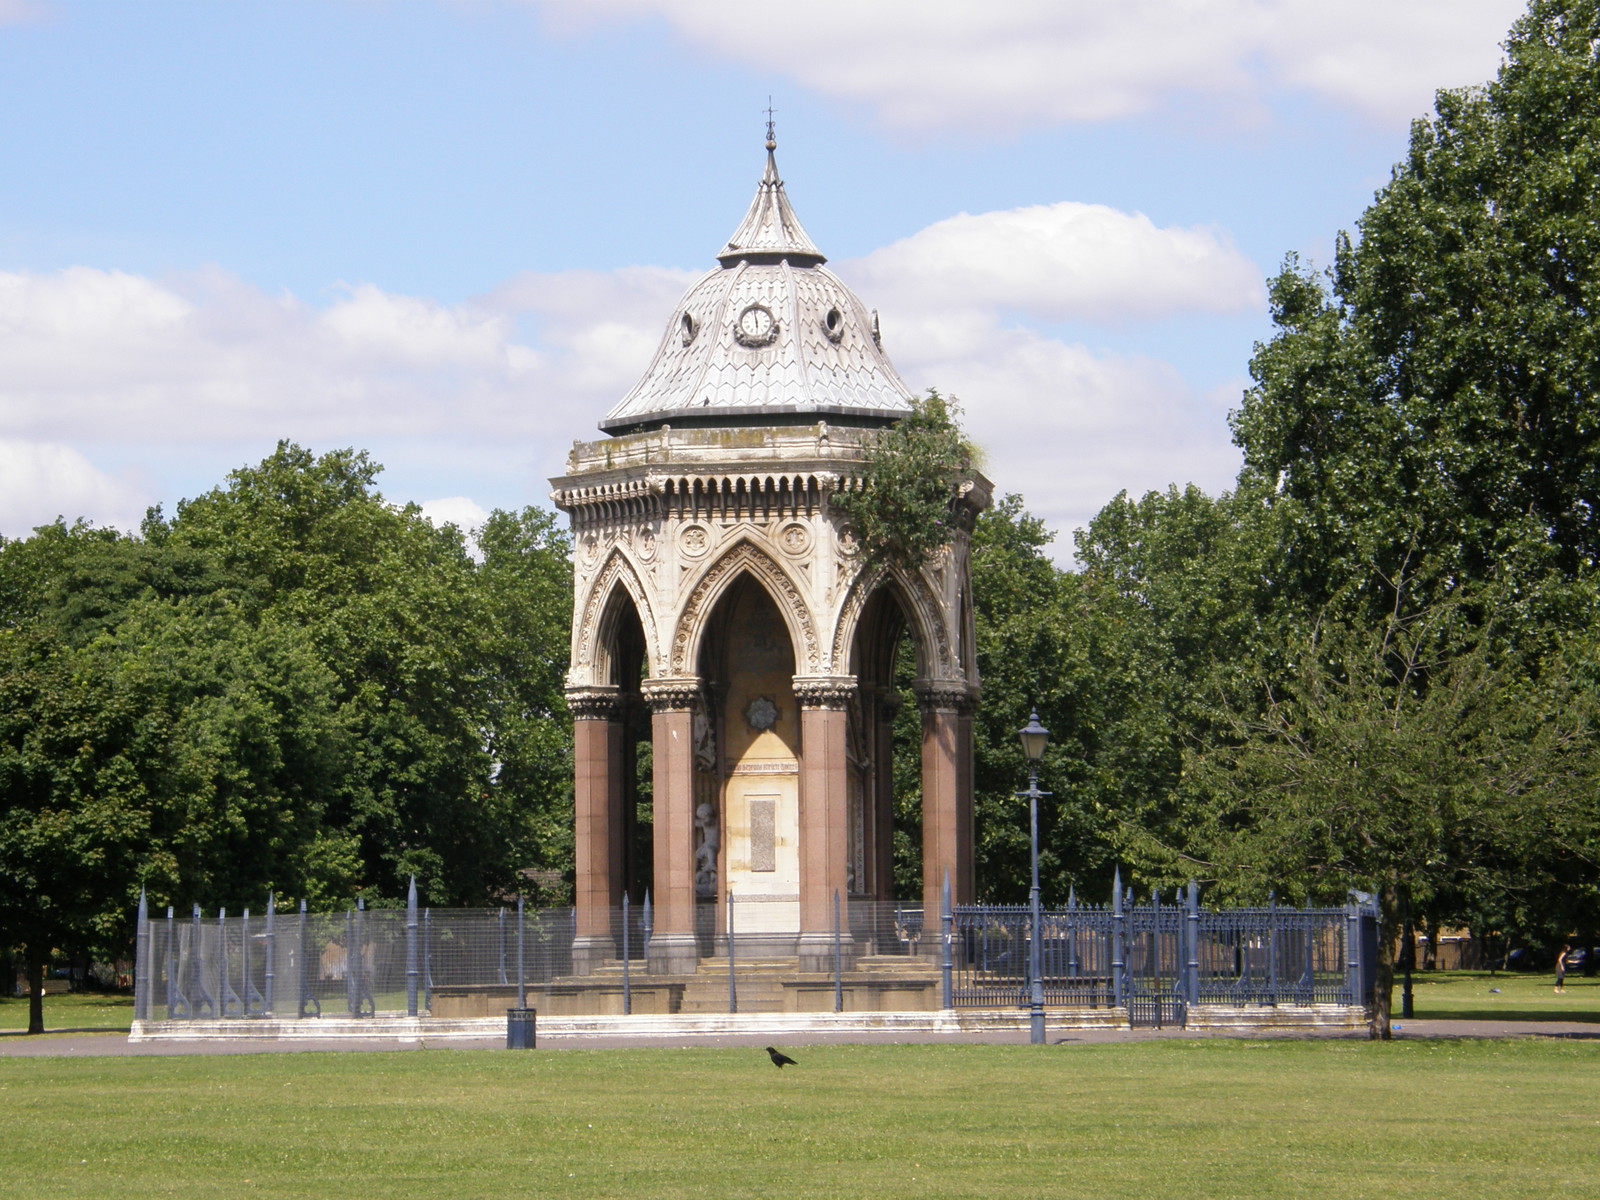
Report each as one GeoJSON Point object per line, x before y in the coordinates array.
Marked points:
{"type": "Point", "coordinates": [770, 333]}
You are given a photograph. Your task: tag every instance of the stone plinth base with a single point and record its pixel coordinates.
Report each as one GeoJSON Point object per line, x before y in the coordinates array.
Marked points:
{"type": "Point", "coordinates": [588, 953]}
{"type": "Point", "coordinates": [674, 954]}
{"type": "Point", "coordinates": [1286, 1021]}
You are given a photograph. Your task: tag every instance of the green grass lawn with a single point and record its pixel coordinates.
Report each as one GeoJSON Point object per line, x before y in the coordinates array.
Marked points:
{"type": "Point", "coordinates": [1438, 994]}
{"type": "Point", "coordinates": [1479, 996]}
{"type": "Point", "coordinates": [85, 1012]}
{"type": "Point", "coordinates": [1212, 1118]}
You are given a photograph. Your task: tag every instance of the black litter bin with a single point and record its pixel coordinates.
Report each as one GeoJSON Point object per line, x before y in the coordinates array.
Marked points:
{"type": "Point", "coordinates": [520, 1028]}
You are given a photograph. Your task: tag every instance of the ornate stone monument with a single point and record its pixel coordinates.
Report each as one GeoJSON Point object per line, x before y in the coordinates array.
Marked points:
{"type": "Point", "coordinates": [723, 616]}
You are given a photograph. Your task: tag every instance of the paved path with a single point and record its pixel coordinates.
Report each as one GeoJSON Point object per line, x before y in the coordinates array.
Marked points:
{"type": "Point", "coordinates": [92, 1044]}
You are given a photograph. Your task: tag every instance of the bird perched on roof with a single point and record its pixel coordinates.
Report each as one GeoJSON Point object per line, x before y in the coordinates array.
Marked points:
{"type": "Point", "coordinates": [780, 1059]}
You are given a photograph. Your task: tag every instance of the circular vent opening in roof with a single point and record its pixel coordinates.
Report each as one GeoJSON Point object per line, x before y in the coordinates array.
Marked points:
{"type": "Point", "coordinates": [833, 325]}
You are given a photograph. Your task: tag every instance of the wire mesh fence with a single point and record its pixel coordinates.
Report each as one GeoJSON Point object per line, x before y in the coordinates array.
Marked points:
{"type": "Point", "coordinates": [359, 963]}
{"type": "Point", "coordinates": [1158, 957]}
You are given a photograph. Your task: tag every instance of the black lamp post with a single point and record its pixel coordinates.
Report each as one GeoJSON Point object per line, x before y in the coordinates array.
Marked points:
{"type": "Point", "coordinates": [1034, 738]}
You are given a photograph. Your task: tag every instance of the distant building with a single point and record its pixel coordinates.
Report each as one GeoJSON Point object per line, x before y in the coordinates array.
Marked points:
{"type": "Point", "coordinates": [722, 615]}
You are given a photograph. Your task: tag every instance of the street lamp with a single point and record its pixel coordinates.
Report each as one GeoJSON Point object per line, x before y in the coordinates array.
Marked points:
{"type": "Point", "coordinates": [1034, 738]}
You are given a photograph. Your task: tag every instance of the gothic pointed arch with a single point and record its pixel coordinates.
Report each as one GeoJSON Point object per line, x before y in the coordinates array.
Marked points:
{"type": "Point", "coordinates": [931, 633]}
{"type": "Point", "coordinates": [616, 583]}
{"type": "Point", "coordinates": [745, 558]}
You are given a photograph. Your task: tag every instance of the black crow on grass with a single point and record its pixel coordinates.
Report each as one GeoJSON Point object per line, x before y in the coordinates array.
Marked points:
{"type": "Point", "coordinates": [779, 1059]}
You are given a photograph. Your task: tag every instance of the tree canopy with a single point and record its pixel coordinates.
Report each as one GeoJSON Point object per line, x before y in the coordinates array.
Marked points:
{"type": "Point", "coordinates": [904, 510]}
{"type": "Point", "coordinates": [1435, 400]}
{"type": "Point", "coordinates": [290, 686]}
{"type": "Point", "coordinates": [1373, 663]}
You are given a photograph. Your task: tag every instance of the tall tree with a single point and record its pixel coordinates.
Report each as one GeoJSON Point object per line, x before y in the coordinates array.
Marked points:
{"type": "Point", "coordinates": [1439, 405]}
{"type": "Point", "coordinates": [167, 743]}
{"type": "Point", "coordinates": [390, 604]}
{"type": "Point", "coordinates": [1426, 423]}
{"type": "Point", "coordinates": [1414, 764]}
{"type": "Point", "coordinates": [525, 585]}
{"type": "Point", "coordinates": [291, 685]}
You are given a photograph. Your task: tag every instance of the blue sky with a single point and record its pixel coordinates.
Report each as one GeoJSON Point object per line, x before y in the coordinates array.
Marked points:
{"type": "Point", "coordinates": [451, 231]}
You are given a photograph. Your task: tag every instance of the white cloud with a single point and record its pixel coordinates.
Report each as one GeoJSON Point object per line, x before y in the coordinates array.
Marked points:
{"type": "Point", "coordinates": [105, 356]}
{"type": "Point", "coordinates": [463, 512]}
{"type": "Point", "coordinates": [205, 363]}
{"type": "Point", "coordinates": [382, 328]}
{"type": "Point", "coordinates": [116, 364]}
{"type": "Point", "coordinates": [932, 65]}
{"type": "Point", "coordinates": [1066, 427]}
{"type": "Point", "coordinates": [1064, 261]}
{"type": "Point", "coordinates": [40, 481]}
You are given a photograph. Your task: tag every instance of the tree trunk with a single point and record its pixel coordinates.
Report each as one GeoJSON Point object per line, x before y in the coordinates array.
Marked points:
{"type": "Point", "coordinates": [1383, 988]}
{"type": "Point", "coordinates": [36, 965]}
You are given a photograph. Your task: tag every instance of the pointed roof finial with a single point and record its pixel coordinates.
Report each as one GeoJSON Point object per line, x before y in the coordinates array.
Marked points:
{"type": "Point", "coordinates": [770, 231]}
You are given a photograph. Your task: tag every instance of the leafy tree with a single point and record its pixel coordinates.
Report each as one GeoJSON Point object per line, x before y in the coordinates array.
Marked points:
{"type": "Point", "coordinates": [904, 510]}
{"type": "Point", "coordinates": [1121, 659]}
{"type": "Point", "coordinates": [1423, 425]}
{"type": "Point", "coordinates": [1028, 658]}
{"type": "Point", "coordinates": [1437, 406]}
{"type": "Point", "coordinates": [389, 603]}
{"type": "Point", "coordinates": [1414, 765]}
{"type": "Point", "coordinates": [525, 584]}
{"type": "Point", "coordinates": [291, 685]}
{"type": "Point", "coordinates": [1174, 603]}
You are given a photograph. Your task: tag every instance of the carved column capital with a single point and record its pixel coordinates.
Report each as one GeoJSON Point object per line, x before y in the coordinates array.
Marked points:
{"type": "Point", "coordinates": [888, 699]}
{"type": "Point", "coordinates": [594, 703]}
{"type": "Point", "coordinates": [677, 694]}
{"type": "Point", "coordinates": [824, 691]}
{"type": "Point", "coordinates": [946, 695]}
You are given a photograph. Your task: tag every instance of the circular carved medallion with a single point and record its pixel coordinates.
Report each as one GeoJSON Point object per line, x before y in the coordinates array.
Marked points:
{"type": "Point", "coordinates": [795, 538]}
{"type": "Point", "coordinates": [762, 714]}
{"type": "Point", "coordinates": [695, 540]}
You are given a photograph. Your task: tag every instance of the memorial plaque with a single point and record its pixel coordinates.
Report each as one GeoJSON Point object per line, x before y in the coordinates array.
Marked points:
{"type": "Point", "coordinates": [763, 833]}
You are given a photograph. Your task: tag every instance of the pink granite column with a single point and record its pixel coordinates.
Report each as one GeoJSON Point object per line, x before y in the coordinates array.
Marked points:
{"type": "Point", "coordinates": [947, 828]}
{"type": "Point", "coordinates": [824, 816]}
{"type": "Point", "coordinates": [597, 733]}
{"type": "Point", "coordinates": [673, 949]}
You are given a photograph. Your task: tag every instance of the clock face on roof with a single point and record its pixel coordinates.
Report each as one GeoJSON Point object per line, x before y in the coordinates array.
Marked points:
{"type": "Point", "coordinates": [755, 326]}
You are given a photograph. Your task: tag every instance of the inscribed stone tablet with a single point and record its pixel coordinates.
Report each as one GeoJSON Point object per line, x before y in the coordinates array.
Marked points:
{"type": "Point", "coordinates": [763, 835]}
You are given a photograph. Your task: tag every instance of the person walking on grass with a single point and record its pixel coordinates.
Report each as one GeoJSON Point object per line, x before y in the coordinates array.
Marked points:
{"type": "Point", "coordinates": [1561, 968]}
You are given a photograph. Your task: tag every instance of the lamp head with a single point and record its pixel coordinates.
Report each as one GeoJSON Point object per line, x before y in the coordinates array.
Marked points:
{"type": "Point", "coordinates": [1034, 737]}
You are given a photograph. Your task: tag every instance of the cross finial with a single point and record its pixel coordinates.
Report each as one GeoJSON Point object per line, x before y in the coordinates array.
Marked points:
{"type": "Point", "coordinates": [772, 137]}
